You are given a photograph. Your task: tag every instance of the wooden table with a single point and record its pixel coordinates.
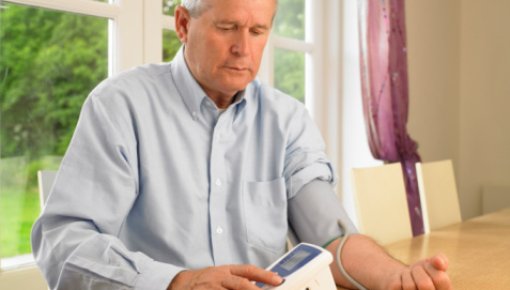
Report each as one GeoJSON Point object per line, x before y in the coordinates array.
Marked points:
{"type": "Point", "coordinates": [478, 251]}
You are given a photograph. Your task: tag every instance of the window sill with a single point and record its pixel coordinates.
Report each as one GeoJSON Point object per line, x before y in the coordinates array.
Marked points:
{"type": "Point", "coordinates": [17, 262]}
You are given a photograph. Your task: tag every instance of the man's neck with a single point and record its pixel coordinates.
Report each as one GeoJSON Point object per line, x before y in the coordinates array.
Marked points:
{"type": "Point", "coordinates": [222, 101]}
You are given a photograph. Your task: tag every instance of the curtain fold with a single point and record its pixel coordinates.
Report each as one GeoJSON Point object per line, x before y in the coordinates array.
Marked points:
{"type": "Point", "coordinates": [385, 92]}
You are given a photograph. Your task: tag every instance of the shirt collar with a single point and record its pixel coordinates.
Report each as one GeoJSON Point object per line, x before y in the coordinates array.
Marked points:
{"type": "Point", "coordinates": [189, 89]}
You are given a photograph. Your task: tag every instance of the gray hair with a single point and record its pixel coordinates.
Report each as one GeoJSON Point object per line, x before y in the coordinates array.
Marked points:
{"type": "Point", "coordinates": [196, 7]}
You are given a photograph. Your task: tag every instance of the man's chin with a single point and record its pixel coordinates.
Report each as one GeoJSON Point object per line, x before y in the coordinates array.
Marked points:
{"type": "Point", "coordinates": [237, 86]}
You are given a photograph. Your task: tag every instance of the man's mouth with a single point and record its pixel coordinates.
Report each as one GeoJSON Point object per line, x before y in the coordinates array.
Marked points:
{"type": "Point", "coordinates": [237, 68]}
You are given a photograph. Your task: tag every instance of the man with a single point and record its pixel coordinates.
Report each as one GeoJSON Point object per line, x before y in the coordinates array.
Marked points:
{"type": "Point", "coordinates": [187, 175]}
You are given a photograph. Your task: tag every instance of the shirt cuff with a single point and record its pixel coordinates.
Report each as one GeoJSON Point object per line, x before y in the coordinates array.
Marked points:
{"type": "Point", "coordinates": [155, 273]}
{"type": "Point", "coordinates": [320, 171]}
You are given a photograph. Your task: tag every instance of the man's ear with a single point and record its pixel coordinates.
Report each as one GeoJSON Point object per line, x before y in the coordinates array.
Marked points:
{"type": "Point", "coordinates": [182, 20]}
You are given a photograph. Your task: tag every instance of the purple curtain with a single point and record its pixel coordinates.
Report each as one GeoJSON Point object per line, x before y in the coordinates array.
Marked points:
{"type": "Point", "coordinates": [385, 92]}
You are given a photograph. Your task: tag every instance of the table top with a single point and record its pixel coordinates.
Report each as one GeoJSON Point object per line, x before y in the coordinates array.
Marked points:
{"type": "Point", "coordinates": [478, 251]}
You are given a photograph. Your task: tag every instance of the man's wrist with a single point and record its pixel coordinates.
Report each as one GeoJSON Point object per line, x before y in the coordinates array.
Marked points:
{"type": "Point", "coordinates": [178, 281]}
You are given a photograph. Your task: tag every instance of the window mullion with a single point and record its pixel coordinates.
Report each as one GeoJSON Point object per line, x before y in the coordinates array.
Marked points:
{"type": "Point", "coordinates": [127, 38]}
{"type": "Point", "coordinates": [314, 64]}
{"type": "Point", "coordinates": [292, 44]}
{"type": "Point", "coordinates": [153, 33]}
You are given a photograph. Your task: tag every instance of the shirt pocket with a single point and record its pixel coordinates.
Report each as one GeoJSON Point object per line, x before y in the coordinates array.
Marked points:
{"type": "Point", "coordinates": [265, 214]}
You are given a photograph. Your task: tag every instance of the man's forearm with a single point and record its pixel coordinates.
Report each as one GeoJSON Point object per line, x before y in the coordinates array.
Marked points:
{"type": "Point", "coordinates": [365, 261]}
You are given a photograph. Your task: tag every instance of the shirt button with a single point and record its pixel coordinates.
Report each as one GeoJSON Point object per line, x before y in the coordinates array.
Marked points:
{"type": "Point", "coordinates": [219, 230]}
{"type": "Point", "coordinates": [218, 182]}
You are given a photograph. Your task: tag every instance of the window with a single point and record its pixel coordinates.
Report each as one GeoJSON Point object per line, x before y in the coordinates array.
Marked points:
{"type": "Point", "coordinates": [289, 61]}
{"type": "Point", "coordinates": [292, 55]}
{"type": "Point", "coordinates": [52, 53]}
{"type": "Point", "coordinates": [50, 60]}
{"type": "Point", "coordinates": [289, 72]}
{"type": "Point", "coordinates": [171, 42]}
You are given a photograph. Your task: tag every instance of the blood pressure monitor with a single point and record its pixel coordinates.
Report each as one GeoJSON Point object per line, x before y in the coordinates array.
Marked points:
{"type": "Point", "coordinates": [305, 267]}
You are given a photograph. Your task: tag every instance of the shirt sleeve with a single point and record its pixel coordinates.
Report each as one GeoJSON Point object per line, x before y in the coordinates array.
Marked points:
{"type": "Point", "coordinates": [76, 239]}
{"type": "Point", "coordinates": [315, 212]}
{"type": "Point", "coordinates": [305, 158]}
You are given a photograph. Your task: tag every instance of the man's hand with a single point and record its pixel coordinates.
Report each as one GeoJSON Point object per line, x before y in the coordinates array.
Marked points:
{"type": "Point", "coordinates": [423, 275]}
{"type": "Point", "coordinates": [370, 265]}
{"type": "Point", "coordinates": [224, 277]}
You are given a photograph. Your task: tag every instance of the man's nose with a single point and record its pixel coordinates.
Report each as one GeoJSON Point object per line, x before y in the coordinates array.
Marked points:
{"type": "Point", "coordinates": [241, 44]}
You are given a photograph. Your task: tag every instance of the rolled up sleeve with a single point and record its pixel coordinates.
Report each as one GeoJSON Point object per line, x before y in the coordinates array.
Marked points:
{"type": "Point", "coordinates": [305, 158]}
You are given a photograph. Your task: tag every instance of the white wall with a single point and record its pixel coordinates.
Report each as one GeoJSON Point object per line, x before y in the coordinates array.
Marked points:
{"type": "Point", "coordinates": [459, 72]}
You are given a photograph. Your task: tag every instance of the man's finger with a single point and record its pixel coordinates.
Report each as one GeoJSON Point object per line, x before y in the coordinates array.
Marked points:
{"type": "Point", "coordinates": [440, 278]}
{"type": "Point", "coordinates": [421, 278]}
{"type": "Point", "coordinates": [254, 273]}
{"type": "Point", "coordinates": [238, 283]}
{"type": "Point", "coordinates": [407, 281]}
{"type": "Point", "coordinates": [440, 262]}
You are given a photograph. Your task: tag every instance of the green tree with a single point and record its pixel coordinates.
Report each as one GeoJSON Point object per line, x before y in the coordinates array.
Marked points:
{"type": "Point", "coordinates": [49, 62]}
{"type": "Point", "coordinates": [290, 19]}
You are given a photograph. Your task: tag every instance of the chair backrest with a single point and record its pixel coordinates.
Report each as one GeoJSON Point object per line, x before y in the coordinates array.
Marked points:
{"type": "Point", "coordinates": [438, 194]}
{"type": "Point", "coordinates": [45, 180]}
{"type": "Point", "coordinates": [381, 201]}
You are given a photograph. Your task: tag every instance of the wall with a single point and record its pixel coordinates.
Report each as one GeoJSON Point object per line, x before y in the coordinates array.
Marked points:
{"type": "Point", "coordinates": [433, 45]}
{"type": "Point", "coordinates": [459, 74]}
{"type": "Point", "coordinates": [23, 278]}
{"type": "Point", "coordinates": [485, 101]}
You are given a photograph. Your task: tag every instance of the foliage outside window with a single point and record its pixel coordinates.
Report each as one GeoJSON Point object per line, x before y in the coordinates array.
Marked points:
{"type": "Point", "coordinates": [169, 6]}
{"type": "Point", "coordinates": [49, 62]}
{"type": "Point", "coordinates": [290, 19]}
{"type": "Point", "coordinates": [171, 44]}
{"type": "Point", "coordinates": [290, 72]}
{"type": "Point", "coordinates": [289, 75]}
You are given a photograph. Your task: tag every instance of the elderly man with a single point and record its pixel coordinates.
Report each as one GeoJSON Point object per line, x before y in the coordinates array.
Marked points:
{"type": "Point", "coordinates": [189, 175]}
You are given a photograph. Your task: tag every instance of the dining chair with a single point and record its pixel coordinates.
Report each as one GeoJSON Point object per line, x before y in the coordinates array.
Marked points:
{"type": "Point", "coordinates": [438, 194]}
{"type": "Point", "coordinates": [380, 198]}
{"type": "Point", "coordinates": [45, 180]}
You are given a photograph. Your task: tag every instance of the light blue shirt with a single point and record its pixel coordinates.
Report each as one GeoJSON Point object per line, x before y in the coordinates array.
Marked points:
{"type": "Point", "coordinates": [156, 180]}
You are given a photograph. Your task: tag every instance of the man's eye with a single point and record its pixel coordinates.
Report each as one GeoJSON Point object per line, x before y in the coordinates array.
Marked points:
{"type": "Point", "coordinates": [226, 28]}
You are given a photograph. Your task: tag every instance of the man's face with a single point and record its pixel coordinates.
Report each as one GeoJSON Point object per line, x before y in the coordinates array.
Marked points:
{"type": "Point", "coordinates": [224, 44]}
